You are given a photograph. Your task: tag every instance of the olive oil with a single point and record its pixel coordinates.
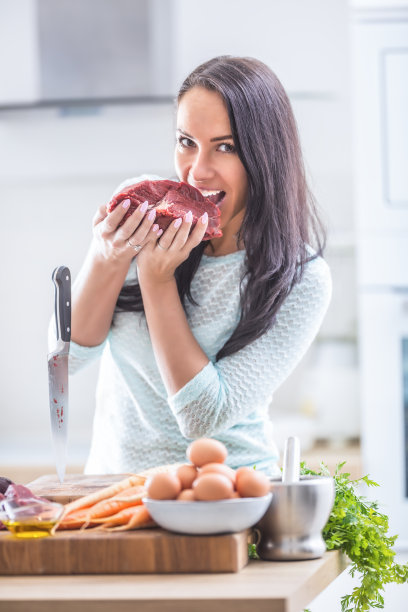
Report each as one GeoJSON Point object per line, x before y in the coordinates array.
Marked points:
{"type": "Point", "coordinates": [29, 529]}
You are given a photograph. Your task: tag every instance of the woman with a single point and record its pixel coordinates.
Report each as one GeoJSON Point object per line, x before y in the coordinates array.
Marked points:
{"type": "Point", "coordinates": [196, 336]}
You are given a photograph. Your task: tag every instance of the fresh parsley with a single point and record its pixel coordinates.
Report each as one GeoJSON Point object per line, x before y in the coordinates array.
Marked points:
{"type": "Point", "coordinates": [252, 552]}
{"type": "Point", "coordinates": [359, 530]}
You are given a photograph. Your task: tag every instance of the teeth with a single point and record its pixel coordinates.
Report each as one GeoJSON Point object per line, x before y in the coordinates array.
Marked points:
{"type": "Point", "coordinates": [206, 193]}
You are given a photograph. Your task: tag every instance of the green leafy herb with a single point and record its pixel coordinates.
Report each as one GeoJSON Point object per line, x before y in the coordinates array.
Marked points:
{"type": "Point", "coordinates": [359, 530]}
{"type": "Point", "coordinates": [252, 552]}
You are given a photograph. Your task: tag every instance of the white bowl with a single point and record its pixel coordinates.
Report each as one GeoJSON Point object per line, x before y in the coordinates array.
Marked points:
{"type": "Point", "coordinates": [208, 517]}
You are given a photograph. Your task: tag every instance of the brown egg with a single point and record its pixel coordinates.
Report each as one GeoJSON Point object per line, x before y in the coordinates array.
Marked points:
{"type": "Point", "coordinates": [187, 475]}
{"type": "Point", "coordinates": [206, 450]}
{"type": "Point", "coordinates": [186, 495]}
{"type": "Point", "coordinates": [251, 483]}
{"type": "Point", "coordinates": [219, 468]}
{"type": "Point", "coordinates": [165, 485]}
{"type": "Point", "coordinates": [240, 471]}
{"type": "Point", "coordinates": [212, 487]}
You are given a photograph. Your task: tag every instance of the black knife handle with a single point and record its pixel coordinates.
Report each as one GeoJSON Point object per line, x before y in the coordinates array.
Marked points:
{"type": "Point", "coordinates": [62, 280]}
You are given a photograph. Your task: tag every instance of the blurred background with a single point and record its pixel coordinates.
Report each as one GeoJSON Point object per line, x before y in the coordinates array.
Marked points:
{"type": "Point", "coordinates": [87, 92]}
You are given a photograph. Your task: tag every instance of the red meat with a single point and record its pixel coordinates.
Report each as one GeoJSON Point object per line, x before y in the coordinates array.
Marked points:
{"type": "Point", "coordinates": [172, 200]}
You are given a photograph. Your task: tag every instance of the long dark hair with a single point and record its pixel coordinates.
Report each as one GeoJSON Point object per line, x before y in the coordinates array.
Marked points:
{"type": "Point", "coordinates": [280, 219]}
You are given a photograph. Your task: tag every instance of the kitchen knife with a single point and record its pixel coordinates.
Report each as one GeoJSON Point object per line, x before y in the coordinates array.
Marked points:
{"type": "Point", "coordinates": [58, 368]}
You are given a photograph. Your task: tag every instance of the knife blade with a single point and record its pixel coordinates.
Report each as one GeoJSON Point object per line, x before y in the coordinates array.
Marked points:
{"type": "Point", "coordinates": [58, 368]}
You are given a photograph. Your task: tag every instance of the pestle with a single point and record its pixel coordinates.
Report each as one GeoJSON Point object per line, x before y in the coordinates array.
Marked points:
{"type": "Point", "coordinates": [291, 461]}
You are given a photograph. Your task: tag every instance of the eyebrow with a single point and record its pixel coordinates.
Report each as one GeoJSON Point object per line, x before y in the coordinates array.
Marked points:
{"type": "Point", "coordinates": [216, 139]}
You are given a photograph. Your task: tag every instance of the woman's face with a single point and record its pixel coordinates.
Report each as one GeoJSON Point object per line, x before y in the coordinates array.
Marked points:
{"type": "Point", "coordinates": [205, 155]}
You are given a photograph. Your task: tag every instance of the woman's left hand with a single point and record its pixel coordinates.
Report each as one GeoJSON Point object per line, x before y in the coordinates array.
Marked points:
{"type": "Point", "coordinates": [158, 260]}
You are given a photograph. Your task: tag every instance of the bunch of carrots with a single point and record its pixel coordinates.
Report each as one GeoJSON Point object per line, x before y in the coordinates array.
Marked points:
{"type": "Point", "coordinates": [115, 508]}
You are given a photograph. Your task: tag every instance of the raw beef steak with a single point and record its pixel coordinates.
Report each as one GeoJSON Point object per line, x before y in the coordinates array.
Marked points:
{"type": "Point", "coordinates": [172, 200]}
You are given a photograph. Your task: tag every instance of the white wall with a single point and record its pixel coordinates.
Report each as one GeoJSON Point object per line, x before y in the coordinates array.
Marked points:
{"type": "Point", "coordinates": [56, 167]}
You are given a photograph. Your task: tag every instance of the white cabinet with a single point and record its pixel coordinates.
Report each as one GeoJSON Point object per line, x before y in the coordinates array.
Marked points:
{"type": "Point", "coordinates": [380, 78]}
{"type": "Point", "coordinates": [380, 58]}
{"type": "Point", "coordinates": [395, 124]}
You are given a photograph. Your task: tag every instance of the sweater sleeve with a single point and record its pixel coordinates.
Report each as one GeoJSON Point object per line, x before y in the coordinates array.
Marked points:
{"type": "Point", "coordinates": [223, 393]}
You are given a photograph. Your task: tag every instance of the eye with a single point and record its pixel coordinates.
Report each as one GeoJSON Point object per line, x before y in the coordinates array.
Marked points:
{"type": "Point", "coordinates": [184, 142]}
{"type": "Point", "coordinates": [226, 147]}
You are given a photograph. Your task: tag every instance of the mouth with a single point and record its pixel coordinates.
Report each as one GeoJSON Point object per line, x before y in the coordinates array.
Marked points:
{"type": "Point", "coordinates": [214, 196]}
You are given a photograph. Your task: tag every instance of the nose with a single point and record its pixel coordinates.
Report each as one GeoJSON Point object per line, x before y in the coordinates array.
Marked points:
{"type": "Point", "coordinates": [201, 168]}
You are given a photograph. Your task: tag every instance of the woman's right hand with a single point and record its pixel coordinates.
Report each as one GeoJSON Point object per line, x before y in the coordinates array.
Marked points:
{"type": "Point", "coordinates": [116, 242]}
{"type": "Point", "coordinates": [96, 289]}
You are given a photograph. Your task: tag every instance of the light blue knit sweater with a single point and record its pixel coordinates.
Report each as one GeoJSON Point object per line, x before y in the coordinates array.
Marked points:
{"type": "Point", "coordinates": [137, 425]}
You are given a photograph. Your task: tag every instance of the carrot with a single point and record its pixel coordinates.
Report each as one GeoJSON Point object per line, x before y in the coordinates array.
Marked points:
{"type": "Point", "coordinates": [120, 518]}
{"type": "Point", "coordinates": [131, 517]}
{"type": "Point", "coordinates": [131, 494]}
{"type": "Point", "coordinates": [135, 517]}
{"type": "Point", "coordinates": [74, 521]}
{"type": "Point", "coordinates": [89, 500]}
{"type": "Point", "coordinates": [128, 497]}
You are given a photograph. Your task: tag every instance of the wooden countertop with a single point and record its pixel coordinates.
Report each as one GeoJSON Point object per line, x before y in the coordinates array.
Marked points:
{"type": "Point", "coordinates": [265, 586]}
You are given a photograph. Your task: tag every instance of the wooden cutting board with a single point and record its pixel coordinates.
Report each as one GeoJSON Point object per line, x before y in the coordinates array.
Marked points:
{"type": "Point", "coordinates": [144, 551]}
{"type": "Point", "coordinates": [73, 487]}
